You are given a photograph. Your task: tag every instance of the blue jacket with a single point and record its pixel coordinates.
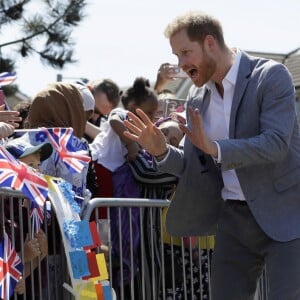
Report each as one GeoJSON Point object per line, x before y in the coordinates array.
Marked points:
{"type": "Point", "coordinates": [263, 147]}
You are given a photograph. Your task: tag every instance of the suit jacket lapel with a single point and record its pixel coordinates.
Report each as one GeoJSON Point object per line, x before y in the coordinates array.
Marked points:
{"type": "Point", "coordinates": [240, 88]}
{"type": "Point", "coordinates": [200, 99]}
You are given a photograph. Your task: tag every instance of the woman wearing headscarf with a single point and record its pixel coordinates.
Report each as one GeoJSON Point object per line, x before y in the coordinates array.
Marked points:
{"type": "Point", "coordinates": [63, 105]}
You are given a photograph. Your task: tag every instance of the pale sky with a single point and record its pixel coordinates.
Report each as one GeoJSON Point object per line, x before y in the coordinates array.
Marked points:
{"type": "Point", "coordinates": [124, 39]}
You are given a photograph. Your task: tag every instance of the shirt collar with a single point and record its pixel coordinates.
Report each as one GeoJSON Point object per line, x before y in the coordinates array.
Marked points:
{"type": "Point", "coordinates": [231, 75]}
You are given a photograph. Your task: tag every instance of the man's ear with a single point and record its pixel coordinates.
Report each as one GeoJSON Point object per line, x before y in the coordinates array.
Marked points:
{"type": "Point", "coordinates": [209, 42]}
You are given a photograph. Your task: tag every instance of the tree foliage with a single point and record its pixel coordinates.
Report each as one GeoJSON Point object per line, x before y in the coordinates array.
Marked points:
{"type": "Point", "coordinates": [41, 27]}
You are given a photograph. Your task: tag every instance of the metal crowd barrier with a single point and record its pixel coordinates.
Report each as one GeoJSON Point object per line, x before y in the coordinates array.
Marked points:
{"type": "Point", "coordinates": [44, 278]}
{"type": "Point", "coordinates": [159, 266]}
{"type": "Point", "coordinates": [143, 261]}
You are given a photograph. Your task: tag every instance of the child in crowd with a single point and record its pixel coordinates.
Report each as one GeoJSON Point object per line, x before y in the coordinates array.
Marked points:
{"type": "Point", "coordinates": [107, 97]}
{"type": "Point", "coordinates": [37, 245]}
{"type": "Point", "coordinates": [112, 151]}
{"type": "Point", "coordinates": [23, 150]}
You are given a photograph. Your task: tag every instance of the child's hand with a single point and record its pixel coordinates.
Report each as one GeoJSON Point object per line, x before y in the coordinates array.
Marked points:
{"type": "Point", "coordinates": [43, 243]}
{"type": "Point", "coordinates": [20, 287]}
{"type": "Point", "coordinates": [31, 249]}
{"type": "Point", "coordinates": [105, 250]}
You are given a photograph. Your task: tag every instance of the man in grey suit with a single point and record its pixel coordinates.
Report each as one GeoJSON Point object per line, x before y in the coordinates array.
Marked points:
{"type": "Point", "coordinates": [240, 167]}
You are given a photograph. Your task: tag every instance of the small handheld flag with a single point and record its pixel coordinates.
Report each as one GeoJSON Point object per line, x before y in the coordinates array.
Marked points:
{"type": "Point", "coordinates": [60, 139]}
{"type": "Point", "coordinates": [17, 175]}
{"type": "Point", "coordinates": [11, 268]}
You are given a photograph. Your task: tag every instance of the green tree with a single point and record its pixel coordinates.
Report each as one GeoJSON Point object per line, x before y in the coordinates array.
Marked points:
{"type": "Point", "coordinates": [41, 27]}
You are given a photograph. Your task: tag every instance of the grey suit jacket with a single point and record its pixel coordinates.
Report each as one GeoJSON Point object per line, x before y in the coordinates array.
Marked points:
{"type": "Point", "coordinates": [263, 147]}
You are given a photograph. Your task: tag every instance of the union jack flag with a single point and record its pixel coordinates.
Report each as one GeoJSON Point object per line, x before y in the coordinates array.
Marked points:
{"type": "Point", "coordinates": [36, 214]}
{"type": "Point", "coordinates": [7, 78]}
{"type": "Point", "coordinates": [61, 139]}
{"type": "Point", "coordinates": [17, 175]}
{"type": "Point", "coordinates": [11, 268]}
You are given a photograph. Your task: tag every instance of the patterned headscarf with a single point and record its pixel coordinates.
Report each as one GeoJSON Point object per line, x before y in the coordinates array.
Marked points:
{"type": "Point", "coordinates": [58, 105]}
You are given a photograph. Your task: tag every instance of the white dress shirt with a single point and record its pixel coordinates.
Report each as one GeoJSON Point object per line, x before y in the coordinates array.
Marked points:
{"type": "Point", "coordinates": [216, 123]}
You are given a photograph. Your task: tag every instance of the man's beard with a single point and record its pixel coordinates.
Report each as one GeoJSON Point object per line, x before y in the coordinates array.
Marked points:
{"type": "Point", "coordinates": [207, 69]}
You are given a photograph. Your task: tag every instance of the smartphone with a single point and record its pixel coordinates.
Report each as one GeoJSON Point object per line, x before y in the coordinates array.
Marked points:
{"type": "Point", "coordinates": [173, 105]}
{"type": "Point", "coordinates": [175, 72]}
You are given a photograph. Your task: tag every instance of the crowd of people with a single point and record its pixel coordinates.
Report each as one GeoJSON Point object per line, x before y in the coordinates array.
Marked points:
{"type": "Point", "coordinates": [96, 113]}
{"type": "Point", "coordinates": [228, 161]}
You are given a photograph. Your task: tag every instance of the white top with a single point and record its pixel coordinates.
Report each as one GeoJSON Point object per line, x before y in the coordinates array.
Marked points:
{"type": "Point", "coordinates": [107, 148]}
{"type": "Point", "coordinates": [216, 124]}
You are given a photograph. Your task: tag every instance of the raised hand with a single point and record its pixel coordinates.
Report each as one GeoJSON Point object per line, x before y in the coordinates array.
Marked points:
{"type": "Point", "coordinates": [144, 132]}
{"type": "Point", "coordinates": [163, 77]}
{"type": "Point", "coordinates": [197, 134]}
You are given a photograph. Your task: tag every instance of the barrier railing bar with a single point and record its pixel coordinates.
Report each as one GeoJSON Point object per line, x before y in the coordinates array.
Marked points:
{"type": "Point", "coordinates": [120, 202]}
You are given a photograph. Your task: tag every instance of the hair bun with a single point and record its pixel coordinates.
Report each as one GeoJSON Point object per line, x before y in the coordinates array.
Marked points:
{"type": "Point", "coordinates": [140, 84]}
